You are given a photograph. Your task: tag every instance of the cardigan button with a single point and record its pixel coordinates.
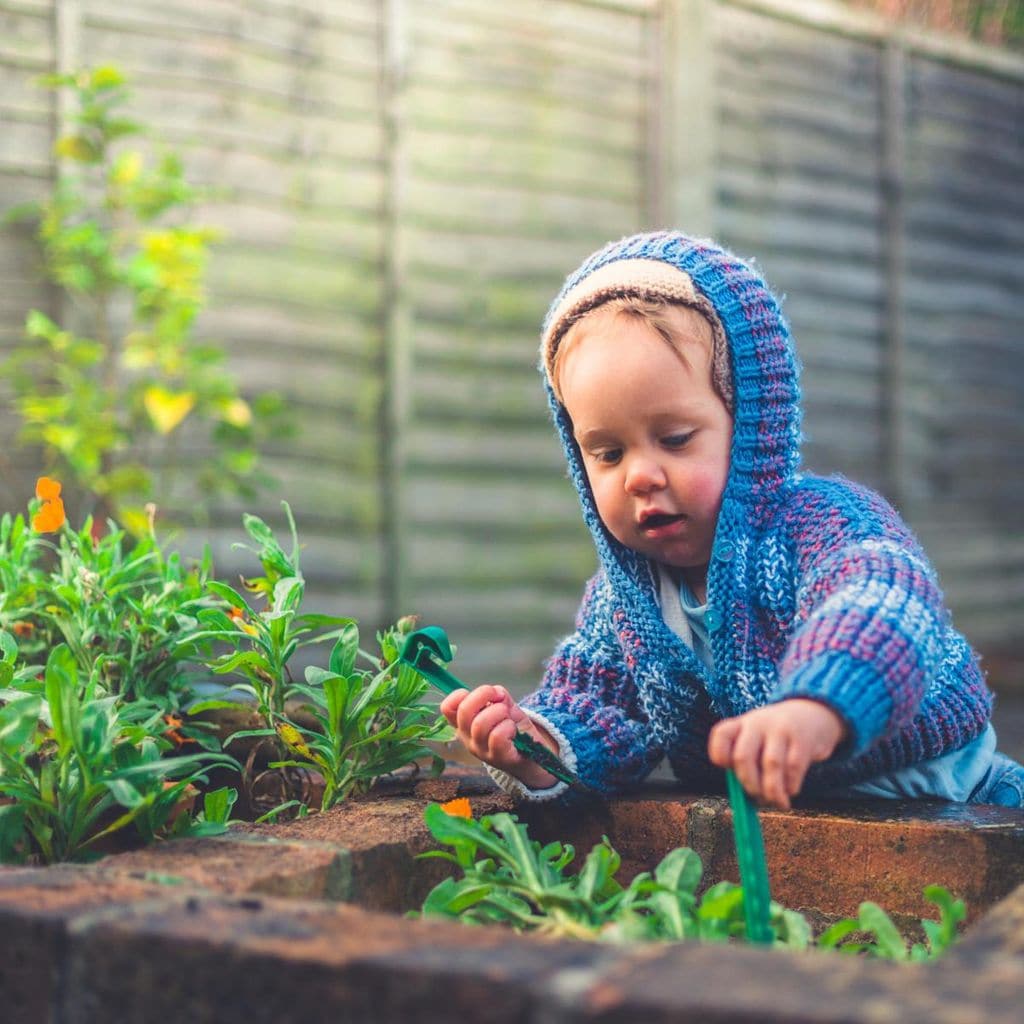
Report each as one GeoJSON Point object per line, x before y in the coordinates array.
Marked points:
{"type": "Point", "coordinates": [725, 551]}
{"type": "Point", "coordinates": [713, 620]}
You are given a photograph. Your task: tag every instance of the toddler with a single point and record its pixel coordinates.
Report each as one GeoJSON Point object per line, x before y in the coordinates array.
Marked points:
{"type": "Point", "coordinates": [745, 615]}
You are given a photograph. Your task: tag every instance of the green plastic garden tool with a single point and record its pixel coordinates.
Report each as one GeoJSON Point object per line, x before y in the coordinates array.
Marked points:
{"type": "Point", "coordinates": [746, 828]}
{"type": "Point", "coordinates": [425, 648]}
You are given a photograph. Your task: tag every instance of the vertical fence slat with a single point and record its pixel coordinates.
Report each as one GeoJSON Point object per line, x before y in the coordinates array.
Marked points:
{"type": "Point", "coordinates": [682, 122]}
{"type": "Point", "coordinates": [396, 340]}
{"type": "Point", "coordinates": [893, 113]}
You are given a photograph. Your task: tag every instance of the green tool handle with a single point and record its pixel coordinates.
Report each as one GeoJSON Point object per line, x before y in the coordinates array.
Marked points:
{"type": "Point", "coordinates": [753, 867]}
{"type": "Point", "coordinates": [439, 676]}
{"type": "Point", "coordinates": [540, 755]}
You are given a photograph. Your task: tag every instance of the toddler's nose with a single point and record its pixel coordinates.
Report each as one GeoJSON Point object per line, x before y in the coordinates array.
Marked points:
{"type": "Point", "coordinates": [644, 475]}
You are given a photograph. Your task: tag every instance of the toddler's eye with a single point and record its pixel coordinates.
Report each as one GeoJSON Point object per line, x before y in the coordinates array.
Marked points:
{"type": "Point", "coordinates": [677, 440]}
{"type": "Point", "coordinates": [607, 457]}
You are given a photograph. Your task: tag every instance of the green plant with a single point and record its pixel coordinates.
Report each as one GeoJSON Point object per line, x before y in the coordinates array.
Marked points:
{"type": "Point", "coordinates": [510, 879]}
{"type": "Point", "coordinates": [887, 941]}
{"type": "Point", "coordinates": [369, 722]}
{"type": "Point", "coordinates": [79, 765]}
{"type": "Point", "coordinates": [120, 604]}
{"type": "Point", "coordinates": [21, 580]}
{"type": "Point", "coordinates": [109, 397]}
{"type": "Point", "coordinates": [261, 642]}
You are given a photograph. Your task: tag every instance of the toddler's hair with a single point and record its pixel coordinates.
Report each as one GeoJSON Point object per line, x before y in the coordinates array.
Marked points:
{"type": "Point", "coordinates": [637, 285]}
{"type": "Point", "coordinates": [677, 325]}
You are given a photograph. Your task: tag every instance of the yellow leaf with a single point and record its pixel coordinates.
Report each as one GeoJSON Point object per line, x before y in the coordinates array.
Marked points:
{"type": "Point", "coordinates": [137, 353]}
{"type": "Point", "coordinates": [127, 168]}
{"type": "Point", "coordinates": [167, 409]}
{"type": "Point", "coordinates": [106, 76]}
{"type": "Point", "coordinates": [135, 520]}
{"type": "Point", "coordinates": [75, 147]}
{"type": "Point", "coordinates": [238, 413]}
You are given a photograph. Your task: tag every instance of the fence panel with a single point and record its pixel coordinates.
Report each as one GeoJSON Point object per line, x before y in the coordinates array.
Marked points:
{"type": "Point", "coordinates": [403, 185]}
{"type": "Point", "coordinates": [964, 281]}
{"type": "Point", "coordinates": [799, 189]}
{"type": "Point", "coordinates": [524, 150]}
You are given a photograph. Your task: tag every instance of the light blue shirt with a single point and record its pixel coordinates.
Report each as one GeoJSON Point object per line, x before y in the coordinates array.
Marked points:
{"type": "Point", "coordinates": [696, 614]}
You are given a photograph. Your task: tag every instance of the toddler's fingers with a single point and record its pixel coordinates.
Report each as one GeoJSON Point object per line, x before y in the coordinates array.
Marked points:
{"type": "Point", "coordinates": [774, 762]}
{"type": "Point", "coordinates": [746, 759]}
{"type": "Point", "coordinates": [797, 763]}
{"type": "Point", "coordinates": [475, 702]}
{"type": "Point", "coordinates": [500, 751]}
{"type": "Point", "coordinates": [483, 725]}
{"type": "Point", "coordinates": [721, 740]}
{"type": "Point", "coordinates": [450, 705]}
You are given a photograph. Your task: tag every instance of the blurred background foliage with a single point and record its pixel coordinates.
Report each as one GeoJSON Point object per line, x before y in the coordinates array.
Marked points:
{"type": "Point", "coordinates": [108, 395]}
{"type": "Point", "coordinates": [999, 22]}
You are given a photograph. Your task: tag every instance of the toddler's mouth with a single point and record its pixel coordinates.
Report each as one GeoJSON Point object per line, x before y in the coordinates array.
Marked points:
{"type": "Point", "coordinates": [657, 520]}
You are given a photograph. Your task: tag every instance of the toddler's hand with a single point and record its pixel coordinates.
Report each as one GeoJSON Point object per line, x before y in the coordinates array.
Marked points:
{"type": "Point", "coordinates": [771, 748]}
{"type": "Point", "coordinates": [486, 720]}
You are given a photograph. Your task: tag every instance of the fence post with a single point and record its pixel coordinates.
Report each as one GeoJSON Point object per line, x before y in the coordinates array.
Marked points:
{"type": "Point", "coordinates": [67, 59]}
{"type": "Point", "coordinates": [396, 320]}
{"type": "Point", "coordinates": [893, 385]}
{"type": "Point", "coordinates": [67, 49]}
{"type": "Point", "coordinates": [681, 118]}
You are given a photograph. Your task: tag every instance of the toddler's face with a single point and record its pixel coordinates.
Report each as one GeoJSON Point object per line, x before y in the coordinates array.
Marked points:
{"type": "Point", "coordinates": [655, 438]}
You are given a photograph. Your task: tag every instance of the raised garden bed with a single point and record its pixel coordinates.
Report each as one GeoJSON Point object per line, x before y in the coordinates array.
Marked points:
{"type": "Point", "coordinates": [298, 922]}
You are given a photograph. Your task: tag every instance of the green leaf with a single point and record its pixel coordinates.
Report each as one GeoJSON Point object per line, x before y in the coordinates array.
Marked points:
{"type": "Point", "coordinates": [450, 898]}
{"type": "Point", "coordinates": [834, 935]}
{"type": "Point", "coordinates": [232, 596]}
{"type": "Point", "coordinates": [874, 919]}
{"type": "Point", "coordinates": [8, 646]}
{"type": "Point", "coordinates": [18, 720]}
{"type": "Point", "coordinates": [61, 679]}
{"type": "Point", "coordinates": [680, 870]}
{"type": "Point", "coordinates": [343, 655]}
{"type": "Point", "coordinates": [217, 804]}
{"type": "Point", "coordinates": [125, 793]}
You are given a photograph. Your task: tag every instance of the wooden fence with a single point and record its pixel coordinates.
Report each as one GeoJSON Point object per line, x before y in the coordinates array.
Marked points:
{"type": "Point", "coordinates": [403, 185]}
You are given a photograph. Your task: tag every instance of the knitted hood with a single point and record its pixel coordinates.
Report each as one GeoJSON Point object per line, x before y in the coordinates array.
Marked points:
{"type": "Point", "coordinates": [763, 377]}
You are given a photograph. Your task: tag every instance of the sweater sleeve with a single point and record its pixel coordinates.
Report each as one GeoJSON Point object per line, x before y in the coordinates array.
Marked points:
{"type": "Point", "coordinates": [870, 622]}
{"type": "Point", "coordinates": [589, 702]}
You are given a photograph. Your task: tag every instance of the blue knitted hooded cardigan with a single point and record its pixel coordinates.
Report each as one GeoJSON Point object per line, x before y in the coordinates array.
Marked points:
{"type": "Point", "coordinates": [815, 589]}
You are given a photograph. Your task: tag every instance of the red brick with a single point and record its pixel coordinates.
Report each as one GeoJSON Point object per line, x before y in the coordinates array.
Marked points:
{"type": "Point", "coordinates": [241, 865]}
{"type": "Point", "coordinates": [36, 908]}
{"type": "Point", "coordinates": [820, 860]}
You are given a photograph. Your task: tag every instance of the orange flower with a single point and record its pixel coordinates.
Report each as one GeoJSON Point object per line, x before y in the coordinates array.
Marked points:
{"type": "Point", "coordinates": [47, 489]}
{"type": "Point", "coordinates": [238, 617]}
{"type": "Point", "coordinates": [458, 808]}
{"type": "Point", "coordinates": [23, 628]}
{"type": "Point", "coordinates": [171, 732]}
{"type": "Point", "coordinates": [50, 516]}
